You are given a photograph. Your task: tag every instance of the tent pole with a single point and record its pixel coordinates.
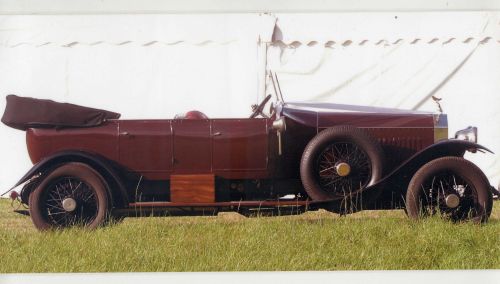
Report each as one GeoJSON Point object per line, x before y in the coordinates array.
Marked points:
{"type": "Point", "coordinates": [262, 69]}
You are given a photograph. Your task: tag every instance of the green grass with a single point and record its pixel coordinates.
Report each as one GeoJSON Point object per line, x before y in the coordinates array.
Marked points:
{"type": "Point", "coordinates": [312, 241]}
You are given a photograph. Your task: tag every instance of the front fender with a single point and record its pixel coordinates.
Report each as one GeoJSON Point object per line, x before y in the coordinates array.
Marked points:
{"type": "Point", "coordinates": [450, 147]}
{"type": "Point", "coordinates": [394, 185]}
{"type": "Point", "coordinates": [105, 167]}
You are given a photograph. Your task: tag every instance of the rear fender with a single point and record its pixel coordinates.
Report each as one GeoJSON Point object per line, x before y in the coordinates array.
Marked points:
{"type": "Point", "coordinates": [108, 169]}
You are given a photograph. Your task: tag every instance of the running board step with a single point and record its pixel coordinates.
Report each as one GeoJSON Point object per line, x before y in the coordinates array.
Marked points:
{"type": "Point", "coordinates": [223, 204]}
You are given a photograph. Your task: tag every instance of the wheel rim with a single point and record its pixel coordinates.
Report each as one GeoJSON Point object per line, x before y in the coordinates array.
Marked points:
{"type": "Point", "coordinates": [69, 201]}
{"type": "Point", "coordinates": [332, 164]}
{"type": "Point", "coordinates": [437, 190]}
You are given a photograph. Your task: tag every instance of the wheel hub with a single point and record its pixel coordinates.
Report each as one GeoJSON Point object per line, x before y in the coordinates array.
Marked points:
{"type": "Point", "coordinates": [343, 169]}
{"type": "Point", "coordinates": [69, 204]}
{"type": "Point", "coordinates": [452, 200]}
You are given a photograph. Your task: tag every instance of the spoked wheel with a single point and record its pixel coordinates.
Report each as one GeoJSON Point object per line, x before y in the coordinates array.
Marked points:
{"type": "Point", "coordinates": [339, 162]}
{"type": "Point", "coordinates": [452, 187]}
{"type": "Point", "coordinates": [72, 195]}
{"type": "Point", "coordinates": [70, 201]}
{"type": "Point", "coordinates": [343, 167]}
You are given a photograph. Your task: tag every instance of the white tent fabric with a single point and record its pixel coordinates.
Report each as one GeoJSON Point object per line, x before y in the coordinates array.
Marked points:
{"type": "Point", "coordinates": [159, 64]}
{"type": "Point", "coordinates": [71, 30]}
{"type": "Point", "coordinates": [154, 66]}
{"type": "Point", "coordinates": [377, 28]}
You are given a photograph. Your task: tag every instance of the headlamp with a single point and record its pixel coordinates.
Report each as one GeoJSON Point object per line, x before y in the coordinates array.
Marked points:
{"type": "Point", "coordinates": [467, 134]}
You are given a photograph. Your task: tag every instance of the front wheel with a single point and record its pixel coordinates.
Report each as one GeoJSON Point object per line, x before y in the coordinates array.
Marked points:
{"type": "Point", "coordinates": [339, 162]}
{"type": "Point", "coordinates": [452, 187]}
{"type": "Point", "coordinates": [73, 194]}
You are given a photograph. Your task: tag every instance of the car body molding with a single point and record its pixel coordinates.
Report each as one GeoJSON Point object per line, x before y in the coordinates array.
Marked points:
{"type": "Point", "coordinates": [104, 166]}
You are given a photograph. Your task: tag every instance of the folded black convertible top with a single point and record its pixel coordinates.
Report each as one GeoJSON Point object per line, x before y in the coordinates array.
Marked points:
{"type": "Point", "coordinates": [23, 113]}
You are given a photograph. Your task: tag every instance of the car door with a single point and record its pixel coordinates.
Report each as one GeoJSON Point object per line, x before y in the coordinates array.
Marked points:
{"type": "Point", "coordinates": [145, 146]}
{"type": "Point", "coordinates": [192, 146]}
{"type": "Point", "coordinates": [239, 144]}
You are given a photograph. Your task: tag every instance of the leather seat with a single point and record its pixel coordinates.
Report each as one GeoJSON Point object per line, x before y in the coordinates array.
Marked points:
{"type": "Point", "coordinates": [193, 114]}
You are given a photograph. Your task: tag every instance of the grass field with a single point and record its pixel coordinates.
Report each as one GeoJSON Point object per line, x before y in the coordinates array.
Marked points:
{"type": "Point", "coordinates": [312, 241]}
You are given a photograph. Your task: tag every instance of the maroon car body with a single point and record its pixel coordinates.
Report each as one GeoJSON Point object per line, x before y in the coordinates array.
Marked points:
{"type": "Point", "coordinates": [232, 149]}
{"type": "Point", "coordinates": [194, 162]}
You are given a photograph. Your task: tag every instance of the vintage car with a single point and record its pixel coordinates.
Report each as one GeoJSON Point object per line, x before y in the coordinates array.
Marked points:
{"type": "Point", "coordinates": [91, 166]}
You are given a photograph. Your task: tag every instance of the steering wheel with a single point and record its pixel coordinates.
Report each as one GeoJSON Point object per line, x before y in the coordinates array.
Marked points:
{"type": "Point", "coordinates": [258, 109]}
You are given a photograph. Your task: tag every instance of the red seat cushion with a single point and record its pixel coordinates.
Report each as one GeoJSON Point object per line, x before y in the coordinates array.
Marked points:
{"type": "Point", "coordinates": [194, 114]}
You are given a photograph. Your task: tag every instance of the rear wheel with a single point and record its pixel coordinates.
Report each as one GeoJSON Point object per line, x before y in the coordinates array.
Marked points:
{"type": "Point", "coordinates": [73, 194]}
{"type": "Point", "coordinates": [452, 187]}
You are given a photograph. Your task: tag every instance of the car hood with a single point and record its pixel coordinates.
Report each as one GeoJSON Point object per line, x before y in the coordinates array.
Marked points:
{"type": "Point", "coordinates": [327, 114]}
{"type": "Point", "coordinates": [329, 107]}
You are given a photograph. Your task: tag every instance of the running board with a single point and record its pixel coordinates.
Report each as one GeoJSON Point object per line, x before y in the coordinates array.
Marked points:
{"type": "Point", "coordinates": [221, 204]}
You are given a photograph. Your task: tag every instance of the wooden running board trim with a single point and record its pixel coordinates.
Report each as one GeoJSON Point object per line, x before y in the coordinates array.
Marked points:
{"type": "Point", "coordinates": [192, 188]}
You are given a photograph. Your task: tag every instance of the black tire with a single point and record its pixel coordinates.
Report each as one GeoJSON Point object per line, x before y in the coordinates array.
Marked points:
{"type": "Point", "coordinates": [362, 153]}
{"type": "Point", "coordinates": [447, 176]}
{"type": "Point", "coordinates": [76, 181]}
